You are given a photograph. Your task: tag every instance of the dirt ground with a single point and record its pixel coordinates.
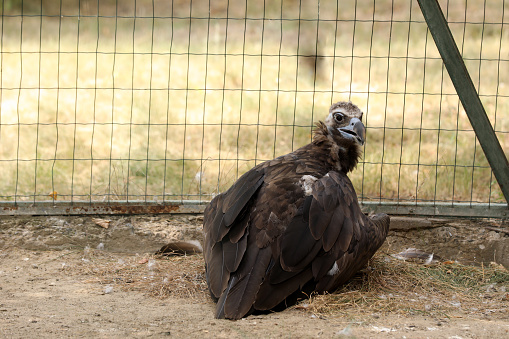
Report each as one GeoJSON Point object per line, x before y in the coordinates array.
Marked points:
{"type": "Point", "coordinates": [71, 277]}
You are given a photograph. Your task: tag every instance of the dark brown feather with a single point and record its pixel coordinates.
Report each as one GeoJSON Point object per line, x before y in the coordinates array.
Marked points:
{"type": "Point", "coordinates": [277, 274]}
{"type": "Point", "coordinates": [336, 224]}
{"type": "Point", "coordinates": [217, 274]}
{"type": "Point", "coordinates": [239, 229]}
{"type": "Point", "coordinates": [270, 295]}
{"type": "Point", "coordinates": [242, 294]}
{"type": "Point", "coordinates": [319, 219]}
{"type": "Point", "coordinates": [298, 247]}
{"type": "Point", "coordinates": [216, 227]}
{"type": "Point", "coordinates": [235, 202]}
{"type": "Point", "coordinates": [233, 253]}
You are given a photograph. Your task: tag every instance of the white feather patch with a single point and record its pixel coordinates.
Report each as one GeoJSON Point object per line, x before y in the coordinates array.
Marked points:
{"type": "Point", "coordinates": [333, 270]}
{"type": "Point", "coordinates": [306, 182]}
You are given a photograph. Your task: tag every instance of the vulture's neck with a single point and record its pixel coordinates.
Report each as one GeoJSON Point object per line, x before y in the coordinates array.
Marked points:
{"type": "Point", "coordinates": [342, 154]}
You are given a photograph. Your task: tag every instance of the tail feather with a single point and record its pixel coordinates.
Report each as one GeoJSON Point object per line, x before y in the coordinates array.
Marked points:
{"type": "Point", "coordinates": [222, 300]}
{"type": "Point", "coordinates": [243, 291]}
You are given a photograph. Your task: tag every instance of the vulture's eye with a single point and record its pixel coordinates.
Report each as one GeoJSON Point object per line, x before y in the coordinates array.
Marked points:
{"type": "Point", "coordinates": [338, 117]}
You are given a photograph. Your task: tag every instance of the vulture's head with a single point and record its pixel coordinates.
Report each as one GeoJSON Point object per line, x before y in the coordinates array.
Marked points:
{"type": "Point", "coordinates": [343, 133]}
{"type": "Point", "coordinates": [344, 124]}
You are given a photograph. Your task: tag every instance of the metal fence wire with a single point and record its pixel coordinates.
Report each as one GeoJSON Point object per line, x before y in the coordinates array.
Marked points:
{"type": "Point", "coordinates": [160, 101]}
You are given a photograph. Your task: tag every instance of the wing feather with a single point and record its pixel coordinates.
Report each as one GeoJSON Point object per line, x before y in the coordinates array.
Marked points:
{"type": "Point", "coordinates": [226, 238]}
{"type": "Point", "coordinates": [233, 253]}
{"type": "Point", "coordinates": [319, 219]}
{"type": "Point", "coordinates": [345, 236]}
{"type": "Point", "coordinates": [333, 229]}
{"type": "Point", "coordinates": [249, 277]}
{"type": "Point", "coordinates": [335, 216]}
{"type": "Point", "coordinates": [270, 295]}
{"type": "Point", "coordinates": [217, 274]}
{"type": "Point", "coordinates": [297, 245]}
{"type": "Point", "coordinates": [240, 193]}
{"type": "Point", "coordinates": [278, 275]}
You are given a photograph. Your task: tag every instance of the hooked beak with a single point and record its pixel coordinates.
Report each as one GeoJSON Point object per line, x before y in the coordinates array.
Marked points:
{"type": "Point", "coordinates": [355, 131]}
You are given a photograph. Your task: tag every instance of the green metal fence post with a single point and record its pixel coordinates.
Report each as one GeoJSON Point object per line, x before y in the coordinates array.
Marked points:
{"type": "Point", "coordinates": [467, 93]}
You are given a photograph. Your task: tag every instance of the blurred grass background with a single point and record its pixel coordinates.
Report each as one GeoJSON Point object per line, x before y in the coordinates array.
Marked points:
{"type": "Point", "coordinates": [159, 100]}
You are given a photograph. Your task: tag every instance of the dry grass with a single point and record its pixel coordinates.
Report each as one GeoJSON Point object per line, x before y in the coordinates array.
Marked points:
{"type": "Point", "coordinates": [177, 276]}
{"type": "Point", "coordinates": [398, 287]}
{"type": "Point", "coordinates": [387, 285]}
{"type": "Point", "coordinates": [99, 108]}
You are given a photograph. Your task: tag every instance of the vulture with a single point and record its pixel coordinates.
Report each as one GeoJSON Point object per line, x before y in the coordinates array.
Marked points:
{"type": "Point", "coordinates": [291, 224]}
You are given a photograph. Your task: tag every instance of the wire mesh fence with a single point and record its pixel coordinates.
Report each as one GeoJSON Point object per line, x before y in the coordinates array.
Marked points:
{"type": "Point", "coordinates": [158, 101]}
